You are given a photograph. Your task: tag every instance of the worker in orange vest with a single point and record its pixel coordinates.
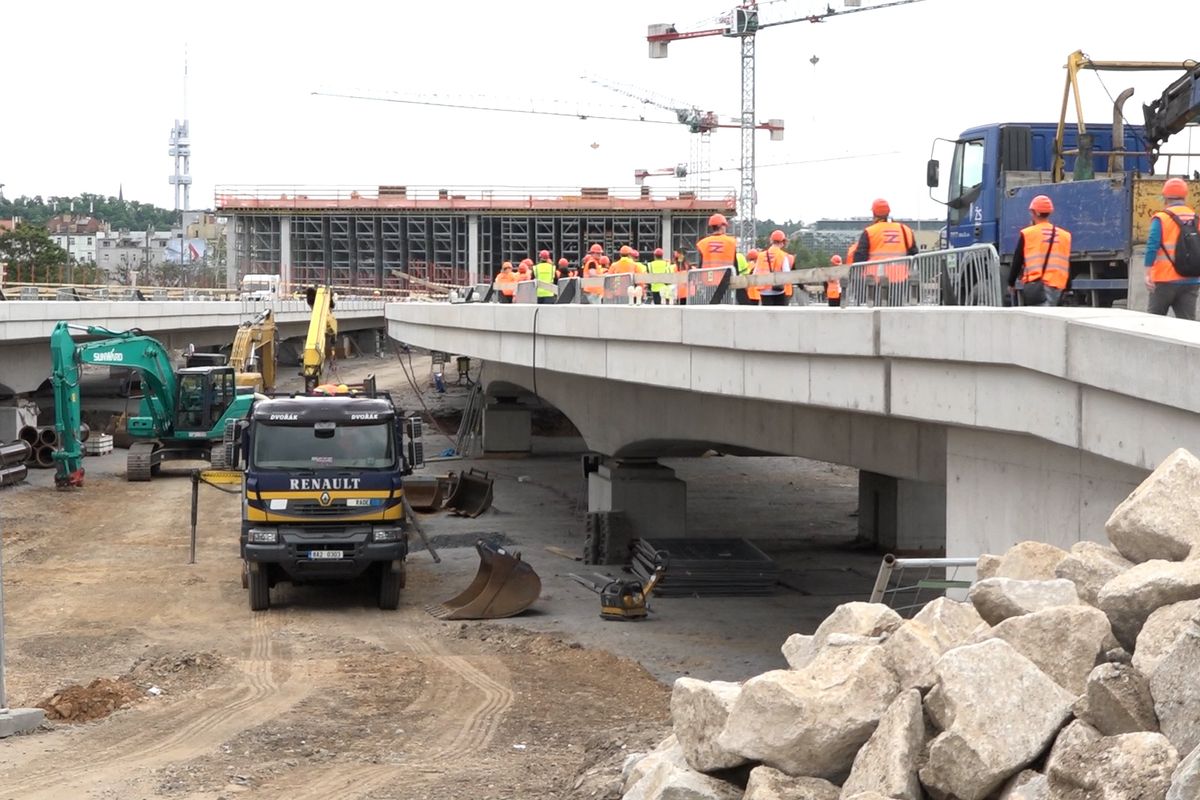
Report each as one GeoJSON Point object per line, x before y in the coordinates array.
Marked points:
{"type": "Point", "coordinates": [718, 249]}
{"type": "Point", "coordinates": [525, 269]}
{"type": "Point", "coordinates": [1042, 259]}
{"type": "Point", "coordinates": [774, 259]}
{"type": "Point", "coordinates": [833, 286]}
{"type": "Point", "coordinates": [882, 240]}
{"type": "Point", "coordinates": [624, 264]}
{"type": "Point", "coordinates": [507, 282]}
{"type": "Point", "coordinates": [679, 260]}
{"type": "Point", "coordinates": [1170, 290]}
{"type": "Point", "coordinates": [595, 268]}
{"type": "Point", "coordinates": [750, 295]}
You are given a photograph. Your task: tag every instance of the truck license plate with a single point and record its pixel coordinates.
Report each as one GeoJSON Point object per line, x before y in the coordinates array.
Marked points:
{"type": "Point", "coordinates": [324, 554]}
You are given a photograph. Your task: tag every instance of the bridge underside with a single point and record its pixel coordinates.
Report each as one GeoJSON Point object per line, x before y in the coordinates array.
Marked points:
{"type": "Point", "coordinates": [923, 487]}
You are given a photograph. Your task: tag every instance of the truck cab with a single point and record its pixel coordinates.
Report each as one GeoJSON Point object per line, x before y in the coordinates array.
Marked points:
{"type": "Point", "coordinates": [996, 169]}
{"type": "Point", "coordinates": [323, 494]}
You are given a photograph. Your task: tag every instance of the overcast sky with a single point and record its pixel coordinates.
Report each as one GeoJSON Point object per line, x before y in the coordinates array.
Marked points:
{"type": "Point", "coordinates": [91, 92]}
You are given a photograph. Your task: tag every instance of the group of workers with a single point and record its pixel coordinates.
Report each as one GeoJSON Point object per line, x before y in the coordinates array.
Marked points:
{"type": "Point", "coordinates": [1042, 259]}
{"type": "Point", "coordinates": [594, 264]}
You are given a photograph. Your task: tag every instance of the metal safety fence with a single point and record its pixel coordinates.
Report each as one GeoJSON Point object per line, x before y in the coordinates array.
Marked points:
{"type": "Point", "coordinates": [907, 584]}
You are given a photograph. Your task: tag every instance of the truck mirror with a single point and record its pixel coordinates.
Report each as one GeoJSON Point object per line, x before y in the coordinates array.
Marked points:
{"type": "Point", "coordinates": [932, 170]}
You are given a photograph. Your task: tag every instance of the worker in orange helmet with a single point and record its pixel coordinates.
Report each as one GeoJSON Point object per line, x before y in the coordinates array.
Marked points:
{"type": "Point", "coordinates": [625, 263]}
{"type": "Point", "coordinates": [883, 240]}
{"type": "Point", "coordinates": [525, 270]}
{"type": "Point", "coordinates": [1171, 288]}
{"type": "Point", "coordinates": [833, 286]}
{"type": "Point", "coordinates": [1042, 259]}
{"type": "Point", "coordinates": [594, 268]}
{"type": "Point", "coordinates": [681, 264]}
{"type": "Point", "coordinates": [774, 259]}
{"type": "Point", "coordinates": [563, 264]}
{"type": "Point", "coordinates": [718, 248]}
{"type": "Point", "coordinates": [506, 282]}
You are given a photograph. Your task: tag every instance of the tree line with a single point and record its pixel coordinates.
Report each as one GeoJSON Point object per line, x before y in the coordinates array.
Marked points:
{"type": "Point", "coordinates": [118, 213]}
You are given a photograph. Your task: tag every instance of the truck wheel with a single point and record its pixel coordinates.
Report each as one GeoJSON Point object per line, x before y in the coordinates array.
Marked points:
{"type": "Point", "coordinates": [391, 581]}
{"type": "Point", "coordinates": [260, 588]}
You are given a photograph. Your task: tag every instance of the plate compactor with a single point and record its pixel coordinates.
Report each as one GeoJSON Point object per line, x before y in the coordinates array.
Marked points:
{"type": "Point", "coordinates": [624, 599]}
{"type": "Point", "coordinates": [504, 586]}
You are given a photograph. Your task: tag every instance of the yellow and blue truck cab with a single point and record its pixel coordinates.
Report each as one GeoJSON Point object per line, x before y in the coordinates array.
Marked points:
{"type": "Point", "coordinates": [323, 496]}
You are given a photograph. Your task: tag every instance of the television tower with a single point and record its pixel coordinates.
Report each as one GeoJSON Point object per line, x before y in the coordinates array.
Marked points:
{"type": "Point", "coordinates": [181, 150]}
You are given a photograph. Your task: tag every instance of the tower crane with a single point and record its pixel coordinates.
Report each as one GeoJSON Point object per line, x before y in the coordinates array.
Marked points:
{"type": "Point", "coordinates": [744, 22]}
{"type": "Point", "coordinates": [700, 123]}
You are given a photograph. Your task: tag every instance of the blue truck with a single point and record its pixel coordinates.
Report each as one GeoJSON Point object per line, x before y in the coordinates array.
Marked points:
{"type": "Point", "coordinates": [1100, 178]}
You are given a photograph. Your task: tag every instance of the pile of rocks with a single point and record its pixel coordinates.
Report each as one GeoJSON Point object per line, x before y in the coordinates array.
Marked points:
{"type": "Point", "coordinates": [1065, 676]}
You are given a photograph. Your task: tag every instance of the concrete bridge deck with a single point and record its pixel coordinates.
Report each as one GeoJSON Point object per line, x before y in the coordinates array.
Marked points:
{"type": "Point", "coordinates": [973, 427]}
{"type": "Point", "coordinates": [25, 326]}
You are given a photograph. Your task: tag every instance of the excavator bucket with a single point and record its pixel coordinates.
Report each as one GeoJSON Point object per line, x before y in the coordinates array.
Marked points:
{"type": "Point", "coordinates": [424, 494]}
{"type": "Point", "coordinates": [472, 494]}
{"type": "Point", "coordinates": [503, 587]}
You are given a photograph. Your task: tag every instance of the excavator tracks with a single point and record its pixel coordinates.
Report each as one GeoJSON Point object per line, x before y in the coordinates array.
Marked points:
{"type": "Point", "coordinates": [139, 465]}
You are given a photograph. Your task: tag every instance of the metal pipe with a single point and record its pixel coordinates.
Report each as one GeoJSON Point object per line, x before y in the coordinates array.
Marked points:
{"type": "Point", "coordinates": [883, 578]}
{"type": "Point", "coordinates": [918, 563]}
{"type": "Point", "coordinates": [15, 453]}
{"type": "Point", "coordinates": [14, 474]}
{"type": "Point", "coordinates": [28, 434]}
{"type": "Point", "coordinates": [45, 456]}
{"type": "Point", "coordinates": [48, 436]}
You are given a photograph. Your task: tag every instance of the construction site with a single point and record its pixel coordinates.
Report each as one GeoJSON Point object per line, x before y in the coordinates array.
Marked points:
{"type": "Point", "coordinates": [589, 492]}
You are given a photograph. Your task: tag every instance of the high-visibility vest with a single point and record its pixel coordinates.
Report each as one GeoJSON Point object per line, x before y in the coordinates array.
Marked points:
{"type": "Point", "coordinates": [889, 240]}
{"type": "Point", "coordinates": [1163, 271]}
{"type": "Point", "coordinates": [833, 289]}
{"type": "Point", "coordinates": [544, 271]}
{"type": "Point", "coordinates": [743, 266]}
{"type": "Point", "coordinates": [508, 283]}
{"type": "Point", "coordinates": [594, 270]}
{"type": "Point", "coordinates": [623, 264]}
{"type": "Point", "coordinates": [659, 267]}
{"type": "Point", "coordinates": [718, 250]}
{"type": "Point", "coordinates": [681, 289]}
{"type": "Point", "coordinates": [1039, 251]}
{"type": "Point", "coordinates": [773, 259]}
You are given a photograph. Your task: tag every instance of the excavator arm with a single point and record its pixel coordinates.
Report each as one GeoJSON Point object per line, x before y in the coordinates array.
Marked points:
{"type": "Point", "coordinates": [1178, 106]}
{"type": "Point", "coordinates": [130, 349]}
{"type": "Point", "coordinates": [253, 353]}
{"type": "Point", "coordinates": [322, 330]}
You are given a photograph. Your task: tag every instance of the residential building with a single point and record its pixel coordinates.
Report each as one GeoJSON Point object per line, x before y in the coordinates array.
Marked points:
{"type": "Point", "coordinates": [77, 234]}
{"type": "Point", "coordinates": [123, 250]}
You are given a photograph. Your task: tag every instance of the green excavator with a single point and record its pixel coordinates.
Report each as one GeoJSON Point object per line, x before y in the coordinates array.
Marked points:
{"type": "Point", "coordinates": [183, 414]}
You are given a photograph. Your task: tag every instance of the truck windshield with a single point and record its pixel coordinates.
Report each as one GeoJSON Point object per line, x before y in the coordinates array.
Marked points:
{"type": "Point", "coordinates": [966, 178]}
{"type": "Point", "coordinates": [341, 447]}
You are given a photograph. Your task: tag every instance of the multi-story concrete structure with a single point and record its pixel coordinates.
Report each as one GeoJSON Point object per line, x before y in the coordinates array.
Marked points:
{"type": "Point", "coordinates": [77, 234]}
{"type": "Point", "coordinates": [377, 237]}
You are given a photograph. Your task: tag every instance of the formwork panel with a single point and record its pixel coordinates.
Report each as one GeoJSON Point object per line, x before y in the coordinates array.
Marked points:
{"type": "Point", "coordinates": [365, 265]}
{"type": "Point", "coordinates": [263, 253]}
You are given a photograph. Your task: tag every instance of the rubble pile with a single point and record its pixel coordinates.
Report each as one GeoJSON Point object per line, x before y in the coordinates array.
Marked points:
{"type": "Point", "coordinates": [1063, 675]}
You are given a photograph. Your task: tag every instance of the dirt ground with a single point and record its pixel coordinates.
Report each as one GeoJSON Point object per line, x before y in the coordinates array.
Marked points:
{"type": "Point", "coordinates": [325, 696]}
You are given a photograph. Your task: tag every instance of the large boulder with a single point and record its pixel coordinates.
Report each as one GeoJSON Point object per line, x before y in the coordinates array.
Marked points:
{"type": "Point", "coordinates": [1185, 783]}
{"type": "Point", "coordinates": [997, 599]}
{"type": "Point", "coordinates": [770, 784]}
{"type": "Point", "coordinates": [950, 622]}
{"type": "Point", "coordinates": [1030, 561]}
{"type": "Point", "coordinates": [1131, 766]}
{"type": "Point", "coordinates": [1089, 566]}
{"type": "Point", "coordinates": [1159, 633]}
{"type": "Point", "coordinates": [1064, 642]}
{"type": "Point", "coordinates": [666, 756]}
{"type": "Point", "coordinates": [1117, 701]}
{"type": "Point", "coordinates": [855, 619]}
{"type": "Point", "coordinates": [1161, 518]}
{"type": "Point", "coordinates": [888, 762]}
{"type": "Point", "coordinates": [997, 712]}
{"type": "Point", "coordinates": [812, 721]}
{"type": "Point", "coordinates": [682, 783]}
{"type": "Point", "coordinates": [698, 711]}
{"type": "Point", "coordinates": [916, 645]}
{"type": "Point", "coordinates": [1134, 595]}
{"type": "Point", "coordinates": [1026, 785]}
{"type": "Point", "coordinates": [1175, 687]}
{"type": "Point", "coordinates": [987, 565]}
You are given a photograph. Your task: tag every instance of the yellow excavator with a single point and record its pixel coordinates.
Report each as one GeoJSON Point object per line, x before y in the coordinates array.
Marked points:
{"type": "Point", "coordinates": [253, 353]}
{"type": "Point", "coordinates": [322, 331]}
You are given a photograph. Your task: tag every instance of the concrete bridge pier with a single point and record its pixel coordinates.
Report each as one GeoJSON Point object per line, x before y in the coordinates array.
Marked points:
{"type": "Point", "coordinates": [652, 500]}
{"type": "Point", "coordinates": [901, 516]}
{"type": "Point", "coordinates": [507, 426]}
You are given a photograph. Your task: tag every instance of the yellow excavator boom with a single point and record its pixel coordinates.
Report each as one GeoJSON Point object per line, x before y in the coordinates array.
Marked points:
{"type": "Point", "coordinates": [253, 353]}
{"type": "Point", "coordinates": [322, 330]}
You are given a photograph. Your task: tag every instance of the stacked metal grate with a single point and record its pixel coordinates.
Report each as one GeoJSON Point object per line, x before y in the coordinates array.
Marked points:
{"type": "Point", "coordinates": [705, 567]}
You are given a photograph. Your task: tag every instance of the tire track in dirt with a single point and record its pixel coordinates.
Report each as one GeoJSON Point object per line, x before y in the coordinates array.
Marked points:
{"type": "Point", "coordinates": [485, 709]}
{"type": "Point", "coordinates": [175, 732]}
